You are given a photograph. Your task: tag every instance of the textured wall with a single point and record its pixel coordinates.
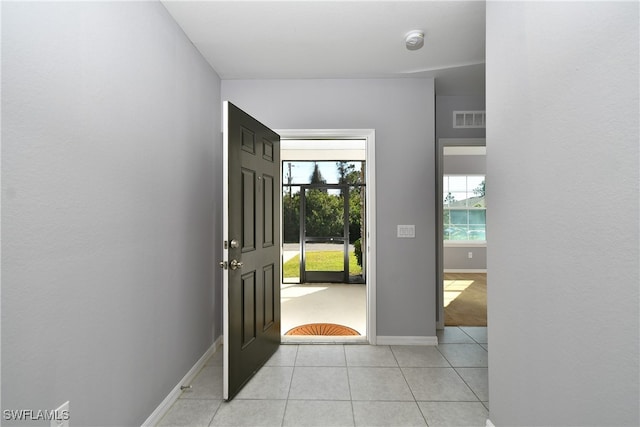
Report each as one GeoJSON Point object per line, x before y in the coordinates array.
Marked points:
{"type": "Point", "coordinates": [401, 112]}
{"type": "Point", "coordinates": [562, 164]}
{"type": "Point", "coordinates": [110, 130]}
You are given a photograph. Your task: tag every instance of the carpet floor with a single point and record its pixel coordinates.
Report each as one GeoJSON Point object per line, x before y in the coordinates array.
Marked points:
{"type": "Point", "coordinates": [465, 299]}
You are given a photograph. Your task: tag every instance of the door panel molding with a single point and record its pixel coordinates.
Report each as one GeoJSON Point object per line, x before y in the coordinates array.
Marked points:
{"type": "Point", "coordinates": [269, 291]}
{"type": "Point", "coordinates": [248, 210]}
{"type": "Point", "coordinates": [267, 207]}
{"type": "Point", "coordinates": [248, 308]}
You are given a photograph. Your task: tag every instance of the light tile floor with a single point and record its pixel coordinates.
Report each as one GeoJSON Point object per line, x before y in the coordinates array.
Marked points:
{"type": "Point", "coordinates": [350, 385]}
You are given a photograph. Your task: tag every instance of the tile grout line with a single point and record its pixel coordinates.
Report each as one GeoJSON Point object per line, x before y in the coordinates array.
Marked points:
{"type": "Point", "coordinates": [465, 332]}
{"type": "Point", "coordinates": [415, 401]}
{"type": "Point", "coordinates": [214, 413]}
{"type": "Point", "coordinates": [293, 371]}
{"type": "Point", "coordinates": [350, 391]}
{"type": "Point", "coordinates": [346, 365]}
{"type": "Point", "coordinates": [467, 384]}
{"type": "Point", "coordinates": [458, 373]}
{"type": "Point", "coordinates": [456, 370]}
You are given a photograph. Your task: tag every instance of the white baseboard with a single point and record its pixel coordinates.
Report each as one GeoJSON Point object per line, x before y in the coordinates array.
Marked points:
{"type": "Point", "coordinates": [489, 423]}
{"type": "Point", "coordinates": [162, 409]}
{"type": "Point", "coordinates": [465, 270]}
{"type": "Point", "coordinates": [397, 340]}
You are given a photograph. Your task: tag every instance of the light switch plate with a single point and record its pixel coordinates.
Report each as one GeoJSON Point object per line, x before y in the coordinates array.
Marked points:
{"type": "Point", "coordinates": [406, 231]}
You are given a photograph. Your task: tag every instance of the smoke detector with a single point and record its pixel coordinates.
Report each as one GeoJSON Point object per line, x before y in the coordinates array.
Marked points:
{"type": "Point", "coordinates": [414, 40]}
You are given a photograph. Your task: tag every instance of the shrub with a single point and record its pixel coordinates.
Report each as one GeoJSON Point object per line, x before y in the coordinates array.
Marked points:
{"type": "Point", "coordinates": [357, 246]}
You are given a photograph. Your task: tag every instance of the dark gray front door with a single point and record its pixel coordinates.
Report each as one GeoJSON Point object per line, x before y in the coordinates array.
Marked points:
{"type": "Point", "coordinates": [252, 246]}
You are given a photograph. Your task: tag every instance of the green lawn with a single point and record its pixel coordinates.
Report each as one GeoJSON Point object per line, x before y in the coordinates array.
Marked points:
{"type": "Point", "coordinates": [322, 261]}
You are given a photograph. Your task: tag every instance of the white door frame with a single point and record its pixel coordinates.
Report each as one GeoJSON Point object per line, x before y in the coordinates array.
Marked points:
{"type": "Point", "coordinates": [370, 190]}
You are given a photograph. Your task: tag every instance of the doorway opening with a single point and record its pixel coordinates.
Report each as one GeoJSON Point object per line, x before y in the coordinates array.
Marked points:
{"type": "Point", "coordinates": [461, 233]}
{"type": "Point", "coordinates": [324, 224]}
{"type": "Point", "coordinates": [326, 233]}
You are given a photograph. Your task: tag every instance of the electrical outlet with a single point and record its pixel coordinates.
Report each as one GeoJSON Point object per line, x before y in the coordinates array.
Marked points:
{"type": "Point", "coordinates": [470, 255]}
{"type": "Point", "coordinates": [61, 416]}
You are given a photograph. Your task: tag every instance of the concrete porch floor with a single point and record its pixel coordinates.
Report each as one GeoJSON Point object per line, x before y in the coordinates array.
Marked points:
{"type": "Point", "coordinates": [324, 303]}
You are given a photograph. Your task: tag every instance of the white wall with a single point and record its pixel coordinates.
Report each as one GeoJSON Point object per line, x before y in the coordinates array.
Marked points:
{"type": "Point", "coordinates": [110, 131]}
{"type": "Point", "coordinates": [562, 163]}
{"type": "Point", "coordinates": [402, 114]}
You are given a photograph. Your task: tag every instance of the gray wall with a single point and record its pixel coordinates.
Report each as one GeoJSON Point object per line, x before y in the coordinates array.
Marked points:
{"type": "Point", "coordinates": [446, 105]}
{"type": "Point", "coordinates": [110, 131]}
{"type": "Point", "coordinates": [457, 257]}
{"type": "Point", "coordinates": [401, 112]}
{"type": "Point", "coordinates": [563, 306]}
{"type": "Point", "coordinates": [465, 164]}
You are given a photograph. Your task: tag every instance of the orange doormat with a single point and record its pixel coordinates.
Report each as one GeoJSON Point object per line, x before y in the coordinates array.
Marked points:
{"type": "Point", "coordinates": [322, 329]}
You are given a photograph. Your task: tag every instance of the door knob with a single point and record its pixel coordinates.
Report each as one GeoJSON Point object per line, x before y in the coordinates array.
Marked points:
{"type": "Point", "coordinates": [235, 264]}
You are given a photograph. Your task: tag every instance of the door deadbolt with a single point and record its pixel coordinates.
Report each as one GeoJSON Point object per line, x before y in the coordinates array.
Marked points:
{"type": "Point", "coordinates": [234, 244]}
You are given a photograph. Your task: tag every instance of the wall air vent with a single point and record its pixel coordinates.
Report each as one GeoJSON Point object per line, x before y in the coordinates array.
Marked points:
{"type": "Point", "coordinates": [469, 119]}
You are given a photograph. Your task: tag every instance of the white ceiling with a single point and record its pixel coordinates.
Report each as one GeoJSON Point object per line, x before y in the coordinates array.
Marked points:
{"type": "Point", "coordinates": [339, 39]}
